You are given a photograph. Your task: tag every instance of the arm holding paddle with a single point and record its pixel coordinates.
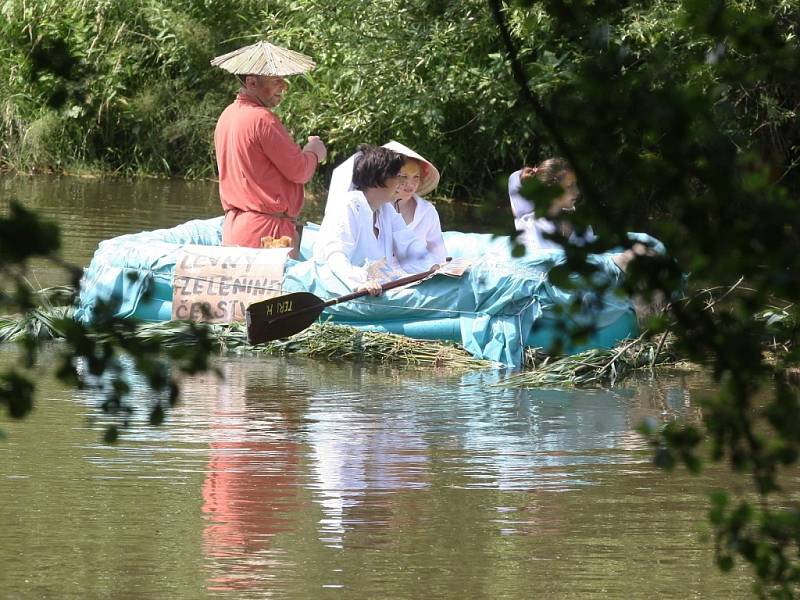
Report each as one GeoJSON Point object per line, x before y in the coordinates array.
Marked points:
{"type": "Point", "coordinates": [361, 227]}
{"type": "Point", "coordinates": [348, 250]}
{"type": "Point", "coordinates": [338, 245]}
{"type": "Point", "coordinates": [373, 287]}
{"type": "Point", "coordinates": [356, 278]}
{"type": "Point", "coordinates": [284, 316]}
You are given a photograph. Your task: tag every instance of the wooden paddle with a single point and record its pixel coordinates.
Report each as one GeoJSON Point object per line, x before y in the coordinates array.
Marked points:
{"type": "Point", "coordinates": [283, 316]}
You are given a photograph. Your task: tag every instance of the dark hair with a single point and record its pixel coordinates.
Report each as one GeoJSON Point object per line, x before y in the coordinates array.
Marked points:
{"type": "Point", "coordinates": [374, 165]}
{"type": "Point", "coordinates": [550, 171]}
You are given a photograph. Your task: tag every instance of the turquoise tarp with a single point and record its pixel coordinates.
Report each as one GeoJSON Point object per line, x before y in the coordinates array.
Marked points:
{"type": "Point", "coordinates": [494, 308]}
{"type": "Point", "coordinates": [128, 268]}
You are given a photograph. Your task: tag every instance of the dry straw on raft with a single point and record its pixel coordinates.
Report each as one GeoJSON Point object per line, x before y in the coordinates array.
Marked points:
{"type": "Point", "coordinates": [340, 342]}
{"type": "Point", "coordinates": [333, 342]}
{"type": "Point", "coordinates": [594, 368]}
{"type": "Point", "coordinates": [348, 343]}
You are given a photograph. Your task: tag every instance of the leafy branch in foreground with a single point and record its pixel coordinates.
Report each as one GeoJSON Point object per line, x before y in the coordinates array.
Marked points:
{"type": "Point", "coordinates": [91, 357]}
{"type": "Point", "coordinates": [663, 131]}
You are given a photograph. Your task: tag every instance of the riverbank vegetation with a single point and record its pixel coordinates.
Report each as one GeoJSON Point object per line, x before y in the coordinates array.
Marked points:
{"type": "Point", "coordinates": [128, 89]}
{"type": "Point", "coordinates": [680, 119]}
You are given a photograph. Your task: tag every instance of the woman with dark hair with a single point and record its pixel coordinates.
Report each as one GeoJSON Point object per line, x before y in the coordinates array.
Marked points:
{"type": "Point", "coordinates": [362, 234]}
{"type": "Point", "coordinates": [535, 231]}
{"type": "Point", "coordinates": [418, 177]}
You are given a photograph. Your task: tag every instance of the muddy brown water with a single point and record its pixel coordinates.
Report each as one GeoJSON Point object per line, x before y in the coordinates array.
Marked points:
{"type": "Point", "coordinates": [298, 478]}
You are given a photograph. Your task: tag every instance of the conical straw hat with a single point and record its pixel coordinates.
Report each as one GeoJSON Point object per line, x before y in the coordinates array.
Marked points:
{"type": "Point", "coordinates": [263, 58]}
{"type": "Point", "coordinates": [430, 174]}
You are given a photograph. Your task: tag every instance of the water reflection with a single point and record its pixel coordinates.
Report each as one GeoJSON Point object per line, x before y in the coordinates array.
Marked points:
{"type": "Point", "coordinates": [254, 472]}
{"type": "Point", "coordinates": [370, 443]}
{"type": "Point", "coordinates": [377, 442]}
{"type": "Point", "coordinates": [543, 439]}
{"type": "Point", "coordinates": [286, 478]}
{"type": "Point", "coordinates": [293, 476]}
{"type": "Point", "coordinates": [366, 444]}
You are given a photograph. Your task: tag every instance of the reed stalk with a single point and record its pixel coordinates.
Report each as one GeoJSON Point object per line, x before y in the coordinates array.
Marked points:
{"type": "Point", "coordinates": [592, 368]}
{"type": "Point", "coordinates": [324, 340]}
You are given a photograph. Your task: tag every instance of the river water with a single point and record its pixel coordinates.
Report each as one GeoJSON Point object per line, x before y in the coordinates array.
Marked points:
{"type": "Point", "coordinates": [298, 478]}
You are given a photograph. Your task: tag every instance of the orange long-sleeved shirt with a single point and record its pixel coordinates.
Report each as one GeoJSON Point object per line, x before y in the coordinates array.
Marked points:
{"type": "Point", "coordinates": [261, 173]}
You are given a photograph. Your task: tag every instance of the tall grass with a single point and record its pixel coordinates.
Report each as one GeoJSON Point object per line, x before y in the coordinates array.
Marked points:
{"type": "Point", "coordinates": [125, 86]}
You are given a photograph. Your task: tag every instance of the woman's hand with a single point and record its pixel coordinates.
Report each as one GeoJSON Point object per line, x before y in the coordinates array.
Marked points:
{"type": "Point", "coordinates": [623, 259]}
{"type": "Point", "coordinates": [372, 286]}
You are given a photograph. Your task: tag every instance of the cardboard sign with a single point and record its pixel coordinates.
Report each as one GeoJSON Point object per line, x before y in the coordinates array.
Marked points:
{"type": "Point", "coordinates": [215, 284]}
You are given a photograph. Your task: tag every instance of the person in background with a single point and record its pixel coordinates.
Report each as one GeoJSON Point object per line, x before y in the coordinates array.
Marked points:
{"type": "Point", "coordinates": [262, 170]}
{"type": "Point", "coordinates": [534, 230]}
{"type": "Point", "coordinates": [418, 176]}
{"type": "Point", "coordinates": [557, 172]}
{"type": "Point", "coordinates": [362, 227]}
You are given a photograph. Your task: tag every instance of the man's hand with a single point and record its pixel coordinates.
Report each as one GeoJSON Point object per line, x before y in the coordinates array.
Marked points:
{"type": "Point", "coordinates": [316, 146]}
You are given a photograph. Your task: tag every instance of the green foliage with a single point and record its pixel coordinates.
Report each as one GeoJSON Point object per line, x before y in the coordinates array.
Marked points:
{"type": "Point", "coordinates": [430, 76]}
{"type": "Point", "coordinates": [694, 122]}
{"type": "Point", "coordinates": [128, 87]}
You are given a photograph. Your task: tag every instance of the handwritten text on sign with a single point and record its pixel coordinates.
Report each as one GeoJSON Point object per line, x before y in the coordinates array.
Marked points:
{"type": "Point", "coordinates": [280, 308]}
{"type": "Point", "coordinates": [217, 283]}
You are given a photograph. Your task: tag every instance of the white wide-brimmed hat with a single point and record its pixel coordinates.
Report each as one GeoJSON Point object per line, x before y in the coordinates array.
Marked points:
{"type": "Point", "coordinates": [263, 58]}
{"type": "Point", "coordinates": [429, 178]}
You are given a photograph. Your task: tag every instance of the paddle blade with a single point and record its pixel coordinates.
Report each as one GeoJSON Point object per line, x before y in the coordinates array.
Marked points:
{"type": "Point", "coordinates": [281, 317]}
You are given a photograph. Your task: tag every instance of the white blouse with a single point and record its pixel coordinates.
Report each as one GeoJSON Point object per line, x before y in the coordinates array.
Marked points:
{"type": "Point", "coordinates": [533, 228]}
{"type": "Point", "coordinates": [425, 225]}
{"type": "Point", "coordinates": [520, 205]}
{"type": "Point", "coordinates": [347, 243]}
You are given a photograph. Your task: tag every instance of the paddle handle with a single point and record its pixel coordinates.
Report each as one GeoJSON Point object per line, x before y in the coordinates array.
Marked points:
{"type": "Point", "coordinates": [384, 286]}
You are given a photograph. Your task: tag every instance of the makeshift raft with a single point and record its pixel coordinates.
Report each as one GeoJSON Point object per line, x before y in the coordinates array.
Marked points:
{"type": "Point", "coordinates": [500, 305]}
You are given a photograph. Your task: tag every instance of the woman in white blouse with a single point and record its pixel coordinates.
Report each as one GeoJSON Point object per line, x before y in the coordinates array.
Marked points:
{"type": "Point", "coordinates": [362, 227]}
{"type": "Point", "coordinates": [535, 231]}
{"type": "Point", "coordinates": [418, 176]}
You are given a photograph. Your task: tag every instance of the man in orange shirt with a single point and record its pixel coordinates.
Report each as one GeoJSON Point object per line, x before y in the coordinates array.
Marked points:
{"type": "Point", "coordinates": [261, 168]}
